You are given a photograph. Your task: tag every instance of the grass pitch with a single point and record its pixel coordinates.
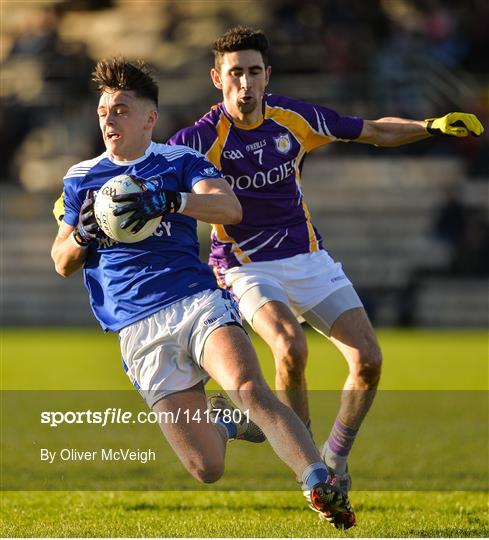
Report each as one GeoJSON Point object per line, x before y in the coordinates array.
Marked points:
{"type": "Point", "coordinates": [452, 363]}
{"type": "Point", "coordinates": [238, 514]}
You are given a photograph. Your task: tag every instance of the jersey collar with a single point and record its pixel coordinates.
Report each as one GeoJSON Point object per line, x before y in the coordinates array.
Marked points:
{"type": "Point", "coordinates": [134, 161]}
{"type": "Point", "coordinates": [246, 127]}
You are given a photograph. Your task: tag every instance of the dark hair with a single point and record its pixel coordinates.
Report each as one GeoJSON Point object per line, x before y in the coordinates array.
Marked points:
{"type": "Point", "coordinates": [240, 38]}
{"type": "Point", "coordinates": [119, 74]}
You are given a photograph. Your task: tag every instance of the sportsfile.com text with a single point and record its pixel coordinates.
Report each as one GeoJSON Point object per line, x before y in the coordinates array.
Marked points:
{"type": "Point", "coordinates": [113, 415]}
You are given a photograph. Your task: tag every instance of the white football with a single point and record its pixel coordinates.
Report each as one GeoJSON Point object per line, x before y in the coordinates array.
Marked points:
{"type": "Point", "coordinates": [104, 208]}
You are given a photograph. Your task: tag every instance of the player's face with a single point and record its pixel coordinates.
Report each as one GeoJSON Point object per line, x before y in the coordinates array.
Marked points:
{"type": "Point", "coordinates": [242, 77]}
{"type": "Point", "coordinates": [126, 122]}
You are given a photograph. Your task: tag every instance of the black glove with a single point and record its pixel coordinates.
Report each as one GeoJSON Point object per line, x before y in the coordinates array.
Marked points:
{"type": "Point", "coordinates": [151, 202]}
{"type": "Point", "coordinates": [87, 229]}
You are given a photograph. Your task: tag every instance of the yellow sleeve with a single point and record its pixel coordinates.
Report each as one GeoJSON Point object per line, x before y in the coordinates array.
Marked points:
{"type": "Point", "coordinates": [298, 126]}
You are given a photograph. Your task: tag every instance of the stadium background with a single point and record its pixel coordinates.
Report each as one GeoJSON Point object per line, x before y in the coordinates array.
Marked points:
{"type": "Point", "coordinates": [410, 224]}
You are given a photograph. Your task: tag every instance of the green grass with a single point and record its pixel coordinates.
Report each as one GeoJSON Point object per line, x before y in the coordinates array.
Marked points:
{"type": "Point", "coordinates": [243, 514]}
{"type": "Point", "coordinates": [428, 428]}
{"type": "Point", "coordinates": [89, 359]}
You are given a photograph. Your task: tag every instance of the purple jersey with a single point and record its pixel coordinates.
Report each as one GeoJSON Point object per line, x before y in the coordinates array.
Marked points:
{"type": "Point", "coordinates": [263, 165]}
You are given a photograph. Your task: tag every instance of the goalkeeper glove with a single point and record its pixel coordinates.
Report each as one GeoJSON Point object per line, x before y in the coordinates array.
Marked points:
{"type": "Point", "coordinates": [59, 208]}
{"type": "Point", "coordinates": [151, 202]}
{"type": "Point", "coordinates": [455, 124]}
{"type": "Point", "coordinates": [87, 229]}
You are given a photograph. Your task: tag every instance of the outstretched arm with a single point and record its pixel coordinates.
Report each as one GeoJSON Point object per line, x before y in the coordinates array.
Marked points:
{"type": "Point", "coordinates": [392, 131]}
{"type": "Point", "coordinates": [398, 131]}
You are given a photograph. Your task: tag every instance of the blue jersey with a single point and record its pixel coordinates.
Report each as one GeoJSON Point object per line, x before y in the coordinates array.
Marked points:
{"type": "Point", "coordinates": [128, 282]}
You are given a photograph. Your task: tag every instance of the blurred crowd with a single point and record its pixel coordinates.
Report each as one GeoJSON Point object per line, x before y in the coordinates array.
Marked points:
{"type": "Point", "coordinates": [367, 57]}
{"type": "Point", "coordinates": [373, 58]}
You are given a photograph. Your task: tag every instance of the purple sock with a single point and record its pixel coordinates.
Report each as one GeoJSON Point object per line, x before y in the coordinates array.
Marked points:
{"type": "Point", "coordinates": [338, 445]}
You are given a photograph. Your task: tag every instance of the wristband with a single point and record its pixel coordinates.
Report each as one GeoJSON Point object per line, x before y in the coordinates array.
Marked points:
{"type": "Point", "coordinates": [183, 202]}
{"type": "Point", "coordinates": [77, 242]}
{"type": "Point", "coordinates": [429, 123]}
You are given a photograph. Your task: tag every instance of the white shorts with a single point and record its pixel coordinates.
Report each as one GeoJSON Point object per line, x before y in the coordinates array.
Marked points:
{"type": "Point", "coordinates": [302, 282]}
{"type": "Point", "coordinates": [162, 353]}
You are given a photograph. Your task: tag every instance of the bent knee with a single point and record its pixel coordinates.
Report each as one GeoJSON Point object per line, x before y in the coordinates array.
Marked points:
{"type": "Point", "coordinates": [207, 473]}
{"type": "Point", "coordinates": [290, 354]}
{"type": "Point", "coordinates": [367, 364]}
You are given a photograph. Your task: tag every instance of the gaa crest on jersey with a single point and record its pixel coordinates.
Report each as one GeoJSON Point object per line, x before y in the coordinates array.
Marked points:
{"type": "Point", "coordinates": [282, 143]}
{"type": "Point", "coordinates": [211, 172]}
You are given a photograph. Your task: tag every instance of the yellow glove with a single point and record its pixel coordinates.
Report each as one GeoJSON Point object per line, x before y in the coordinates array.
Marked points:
{"type": "Point", "coordinates": [456, 124]}
{"type": "Point", "coordinates": [59, 209]}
